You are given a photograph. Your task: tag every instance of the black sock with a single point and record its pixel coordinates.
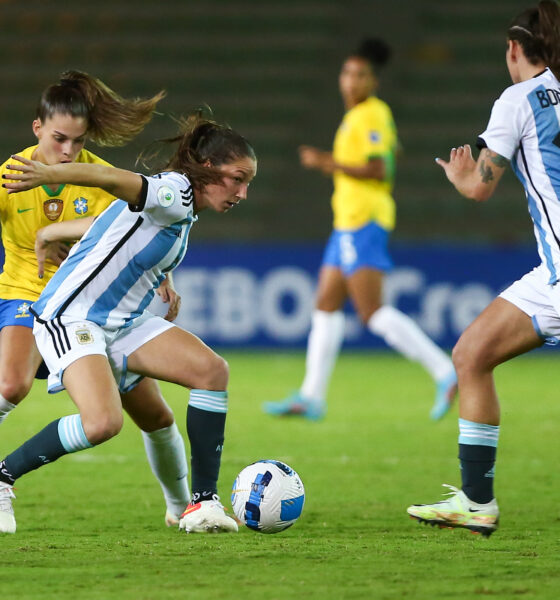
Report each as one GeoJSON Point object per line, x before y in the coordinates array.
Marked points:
{"type": "Point", "coordinates": [477, 472]}
{"type": "Point", "coordinates": [44, 447]}
{"type": "Point", "coordinates": [206, 435]}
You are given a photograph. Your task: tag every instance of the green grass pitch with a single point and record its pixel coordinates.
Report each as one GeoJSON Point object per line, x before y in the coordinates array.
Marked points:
{"type": "Point", "coordinates": [91, 525]}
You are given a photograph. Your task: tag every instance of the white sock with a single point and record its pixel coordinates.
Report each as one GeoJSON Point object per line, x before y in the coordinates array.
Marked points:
{"type": "Point", "coordinates": [323, 346]}
{"type": "Point", "coordinates": [166, 454]}
{"type": "Point", "coordinates": [5, 408]}
{"type": "Point", "coordinates": [401, 333]}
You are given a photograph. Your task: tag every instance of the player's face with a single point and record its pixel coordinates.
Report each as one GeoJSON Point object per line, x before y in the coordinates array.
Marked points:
{"type": "Point", "coordinates": [238, 174]}
{"type": "Point", "coordinates": [356, 80]}
{"type": "Point", "coordinates": [61, 138]}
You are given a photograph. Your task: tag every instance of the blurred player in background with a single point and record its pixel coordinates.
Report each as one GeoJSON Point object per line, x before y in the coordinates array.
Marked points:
{"type": "Point", "coordinates": [524, 129]}
{"type": "Point", "coordinates": [91, 322]}
{"type": "Point", "coordinates": [356, 257]}
{"type": "Point", "coordinates": [77, 108]}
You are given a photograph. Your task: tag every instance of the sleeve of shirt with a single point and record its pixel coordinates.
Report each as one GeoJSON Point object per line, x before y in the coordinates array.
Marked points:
{"type": "Point", "coordinates": [504, 130]}
{"type": "Point", "coordinates": [166, 198]}
{"type": "Point", "coordinates": [377, 135]}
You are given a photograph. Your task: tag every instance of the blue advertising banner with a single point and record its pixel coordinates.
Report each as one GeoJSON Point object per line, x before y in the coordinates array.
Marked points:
{"type": "Point", "coordinates": [263, 295]}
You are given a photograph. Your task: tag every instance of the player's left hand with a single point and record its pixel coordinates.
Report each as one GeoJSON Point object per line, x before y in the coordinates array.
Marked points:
{"type": "Point", "coordinates": [460, 166]}
{"type": "Point", "coordinates": [55, 251]}
{"type": "Point", "coordinates": [166, 291]}
{"type": "Point", "coordinates": [30, 174]}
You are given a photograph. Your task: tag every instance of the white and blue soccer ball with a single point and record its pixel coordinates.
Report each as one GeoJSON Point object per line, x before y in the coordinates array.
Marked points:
{"type": "Point", "coordinates": [268, 496]}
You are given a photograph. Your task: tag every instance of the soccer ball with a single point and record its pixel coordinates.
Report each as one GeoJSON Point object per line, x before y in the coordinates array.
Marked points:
{"type": "Point", "coordinates": [268, 496]}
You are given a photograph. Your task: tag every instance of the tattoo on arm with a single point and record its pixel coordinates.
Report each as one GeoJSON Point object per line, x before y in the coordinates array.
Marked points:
{"type": "Point", "coordinates": [485, 173]}
{"type": "Point", "coordinates": [499, 160]}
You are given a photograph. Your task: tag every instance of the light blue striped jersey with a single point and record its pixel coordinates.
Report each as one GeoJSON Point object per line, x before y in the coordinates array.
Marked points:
{"type": "Point", "coordinates": [110, 276]}
{"type": "Point", "coordinates": [524, 127]}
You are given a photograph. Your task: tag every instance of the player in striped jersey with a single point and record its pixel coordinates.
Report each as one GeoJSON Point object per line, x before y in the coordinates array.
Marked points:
{"type": "Point", "coordinates": [92, 327]}
{"type": "Point", "coordinates": [76, 108]}
{"type": "Point", "coordinates": [524, 129]}
{"type": "Point", "coordinates": [356, 257]}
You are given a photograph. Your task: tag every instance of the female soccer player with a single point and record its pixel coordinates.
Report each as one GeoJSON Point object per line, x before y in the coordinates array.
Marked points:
{"type": "Point", "coordinates": [91, 323]}
{"type": "Point", "coordinates": [356, 256]}
{"type": "Point", "coordinates": [524, 129]}
{"type": "Point", "coordinates": [76, 108]}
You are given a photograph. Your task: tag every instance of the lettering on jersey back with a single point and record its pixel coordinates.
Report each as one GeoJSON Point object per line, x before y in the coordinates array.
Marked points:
{"type": "Point", "coordinates": [548, 97]}
{"type": "Point", "coordinates": [53, 208]}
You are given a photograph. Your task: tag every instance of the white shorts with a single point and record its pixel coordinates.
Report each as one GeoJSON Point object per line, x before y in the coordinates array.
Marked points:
{"type": "Point", "coordinates": [539, 300]}
{"type": "Point", "coordinates": [63, 341]}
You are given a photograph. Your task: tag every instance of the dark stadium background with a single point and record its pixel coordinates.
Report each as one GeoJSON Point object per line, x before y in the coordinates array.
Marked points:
{"type": "Point", "coordinates": [270, 68]}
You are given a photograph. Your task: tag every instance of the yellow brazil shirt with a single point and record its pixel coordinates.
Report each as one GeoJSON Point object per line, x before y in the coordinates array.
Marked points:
{"type": "Point", "coordinates": [22, 214]}
{"type": "Point", "coordinates": [367, 131]}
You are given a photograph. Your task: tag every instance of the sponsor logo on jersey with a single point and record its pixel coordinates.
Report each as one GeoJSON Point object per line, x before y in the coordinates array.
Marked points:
{"type": "Point", "coordinates": [81, 206]}
{"type": "Point", "coordinates": [22, 210]}
{"type": "Point", "coordinates": [53, 208]}
{"type": "Point", "coordinates": [23, 310]}
{"type": "Point", "coordinates": [165, 196]}
{"type": "Point", "coordinates": [84, 336]}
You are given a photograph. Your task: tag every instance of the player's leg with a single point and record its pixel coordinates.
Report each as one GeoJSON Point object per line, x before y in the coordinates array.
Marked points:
{"type": "Point", "coordinates": [323, 347]}
{"type": "Point", "coordinates": [402, 334]}
{"type": "Point", "coordinates": [179, 357]}
{"type": "Point", "coordinates": [19, 359]}
{"type": "Point", "coordinates": [90, 383]}
{"type": "Point", "coordinates": [502, 331]}
{"type": "Point", "coordinates": [164, 445]}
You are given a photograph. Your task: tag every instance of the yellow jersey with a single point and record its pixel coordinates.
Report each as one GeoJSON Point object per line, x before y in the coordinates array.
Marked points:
{"type": "Point", "coordinates": [367, 131]}
{"type": "Point", "coordinates": [23, 213]}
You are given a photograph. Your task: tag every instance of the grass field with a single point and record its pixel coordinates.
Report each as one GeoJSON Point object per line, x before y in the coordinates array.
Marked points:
{"type": "Point", "coordinates": [91, 525]}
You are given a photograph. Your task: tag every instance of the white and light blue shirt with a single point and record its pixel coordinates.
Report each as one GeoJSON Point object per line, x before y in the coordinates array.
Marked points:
{"type": "Point", "coordinates": [110, 276]}
{"type": "Point", "coordinates": [524, 127]}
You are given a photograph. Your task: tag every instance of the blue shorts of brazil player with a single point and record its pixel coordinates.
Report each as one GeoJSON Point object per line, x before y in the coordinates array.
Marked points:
{"type": "Point", "coordinates": [16, 312]}
{"type": "Point", "coordinates": [350, 250]}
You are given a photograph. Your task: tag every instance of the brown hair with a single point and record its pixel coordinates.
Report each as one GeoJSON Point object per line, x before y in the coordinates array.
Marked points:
{"type": "Point", "coordinates": [537, 29]}
{"type": "Point", "coordinates": [112, 120]}
{"type": "Point", "coordinates": [202, 146]}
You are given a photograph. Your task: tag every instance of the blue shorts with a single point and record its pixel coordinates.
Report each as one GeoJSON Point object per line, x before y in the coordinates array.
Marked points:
{"type": "Point", "coordinates": [350, 250]}
{"type": "Point", "coordinates": [16, 312]}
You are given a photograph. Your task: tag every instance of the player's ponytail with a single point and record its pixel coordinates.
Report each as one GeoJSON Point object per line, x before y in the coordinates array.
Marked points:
{"type": "Point", "coordinates": [112, 120]}
{"type": "Point", "coordinates": [537, 29]}
{"type": "Point", "coordinates": [202, 146]}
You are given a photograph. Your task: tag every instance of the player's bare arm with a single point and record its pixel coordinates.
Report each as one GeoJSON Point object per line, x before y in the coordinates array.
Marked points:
{"type": "Point", "coordinates": [474, 179]}
{"type": "Point", "coordinates": [313, 158]}
{"type": "Point", "coordinates": [31, 173]}
{"type": "Point", "coordinates": [49, 241]}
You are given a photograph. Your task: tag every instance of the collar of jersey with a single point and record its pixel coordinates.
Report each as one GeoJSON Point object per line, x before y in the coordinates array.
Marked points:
{"type": "Point", "coordinates": [56, 192]}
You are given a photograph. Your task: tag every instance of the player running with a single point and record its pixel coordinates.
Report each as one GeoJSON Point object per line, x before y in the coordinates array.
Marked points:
{"type": "Point", "coordinates": [92, 327]}
{"type": "Point", "coordinates": [76, 108]}
{"type": "Point", "coordinates": [524, 129]}
{"type": "Point", "coordinates": [356, 257]}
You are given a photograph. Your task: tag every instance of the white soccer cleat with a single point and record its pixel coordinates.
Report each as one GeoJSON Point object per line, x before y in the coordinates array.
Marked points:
{"type": "Point", "coordinates": [7, 519]}
{"type": "Point", "coordinates": [208, 516]}
{"type": "Point", "coordinates": [458, 511]}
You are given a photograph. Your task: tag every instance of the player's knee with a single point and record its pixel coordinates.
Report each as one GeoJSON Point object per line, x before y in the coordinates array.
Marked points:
{"type": "Point", "coordinates": [103, 428]}
{"type": "Point", "coordinates": [216, 374]}
{"type": "Point", "coordinates": [469, 356]}
{"type": "Point", "coordinates": [14, 389]}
